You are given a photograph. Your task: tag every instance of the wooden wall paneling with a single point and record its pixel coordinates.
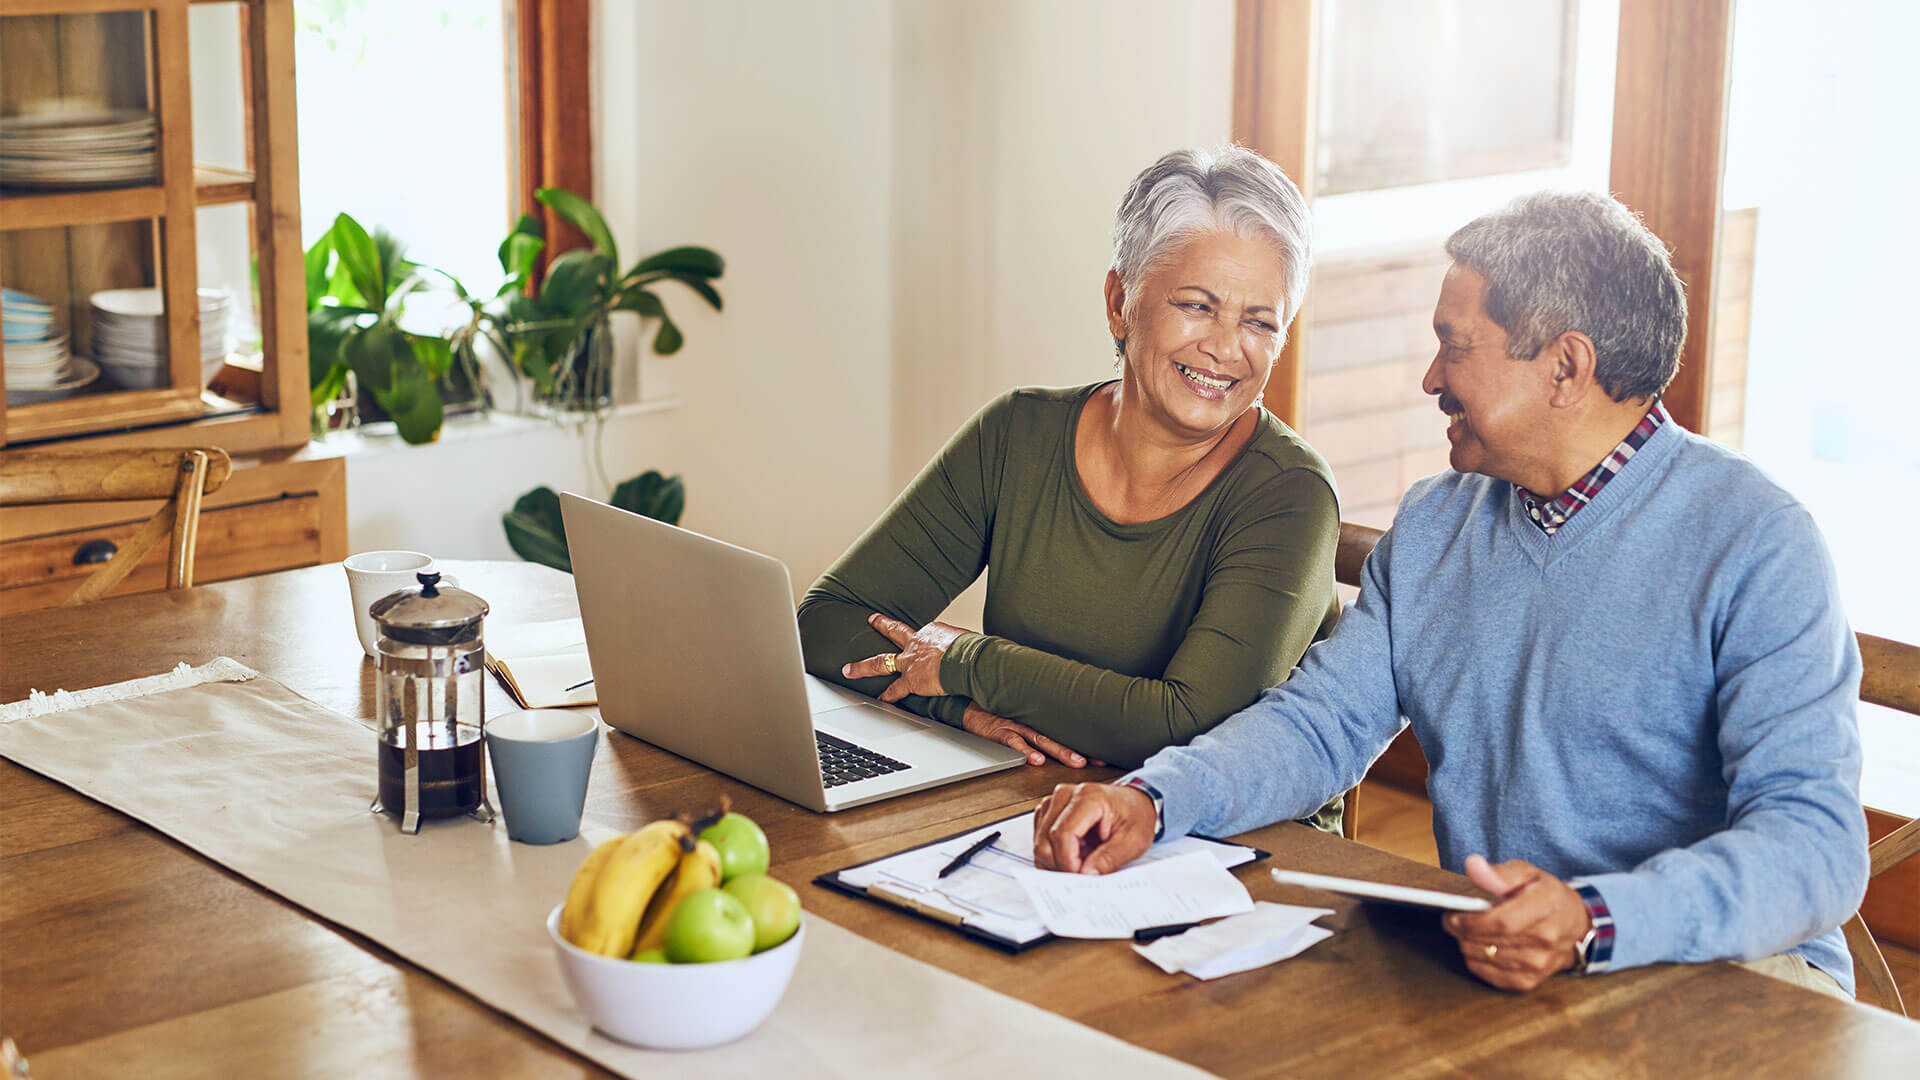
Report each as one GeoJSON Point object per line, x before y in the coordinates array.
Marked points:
{"type": "Point", "coordinates": [273, 138]}
{"type": "Point", "coordinates": [1274, 92]}
{"type": "Point", "coordinates": [1669, 139]}
{"type": "Point", "coordinates": [179, 251]}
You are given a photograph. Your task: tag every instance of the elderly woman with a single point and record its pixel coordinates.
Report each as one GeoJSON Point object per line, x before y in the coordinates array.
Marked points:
{"type": "Point", "coordinates": [1159, 548]}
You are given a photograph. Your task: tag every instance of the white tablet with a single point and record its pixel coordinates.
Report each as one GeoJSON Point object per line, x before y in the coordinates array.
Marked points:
{"type": "Point", "coordinates": [1380, 890]}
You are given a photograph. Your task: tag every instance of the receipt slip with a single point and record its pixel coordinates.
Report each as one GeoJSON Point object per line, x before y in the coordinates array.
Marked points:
{"type": "Point", "coordinates": [1266, 935]}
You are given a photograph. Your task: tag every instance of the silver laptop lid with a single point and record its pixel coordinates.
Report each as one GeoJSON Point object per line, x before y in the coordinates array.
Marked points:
{"type": "Point", "coordinates": [694, 647]}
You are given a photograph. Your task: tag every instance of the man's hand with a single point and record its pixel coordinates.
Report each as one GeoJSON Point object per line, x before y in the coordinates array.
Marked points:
{"type": "Point", "coordinates": [1532, 930]}
{"type": "Point", "coordinates": [917, 663]}
{"type": "Point", "coordinates": [1020, 737]}
{"type": "Point", "coordinates": [1092, 828]}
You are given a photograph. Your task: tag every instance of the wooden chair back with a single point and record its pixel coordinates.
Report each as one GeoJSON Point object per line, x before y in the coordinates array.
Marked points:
{"type": "Point", "coordinates": [181, 477]}
{"type": "Point", "coordinates": [1890, 676]}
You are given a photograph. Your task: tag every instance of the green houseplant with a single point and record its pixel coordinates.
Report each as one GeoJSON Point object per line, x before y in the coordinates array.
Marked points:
{"type": "Point", "coordinates": [536, 533]}
{"type": "Point", "coordinates": [557, 334]}
{"type": "Point", "coordinates": [357, 287]}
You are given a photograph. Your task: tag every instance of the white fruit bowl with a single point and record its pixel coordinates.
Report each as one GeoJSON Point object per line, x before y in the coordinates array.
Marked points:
{"type": "Point", "coordinates": [676, 1006]}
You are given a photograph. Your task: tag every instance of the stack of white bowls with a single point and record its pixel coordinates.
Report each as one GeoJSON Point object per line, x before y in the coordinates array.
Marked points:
{"type": "Point", "coordinates": [130, 335]}
{"type": "Point", "coordinates": [39, 366]}
{"type": "Point", "coordinates": [71, 148]}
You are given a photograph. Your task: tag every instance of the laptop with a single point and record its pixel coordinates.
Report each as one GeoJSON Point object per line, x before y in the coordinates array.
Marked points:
{"type": "Point", "coordinates": [695, 649]}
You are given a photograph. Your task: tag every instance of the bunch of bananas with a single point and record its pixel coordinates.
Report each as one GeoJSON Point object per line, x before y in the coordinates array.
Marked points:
{"type": "Point", "coordinates": [627, 889]}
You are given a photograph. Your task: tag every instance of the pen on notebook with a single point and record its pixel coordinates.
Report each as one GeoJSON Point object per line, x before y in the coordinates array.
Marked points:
{"type": "Point", "coordinates": [577, 686]}
{"type": "Point", "coordinates": [966, 856]}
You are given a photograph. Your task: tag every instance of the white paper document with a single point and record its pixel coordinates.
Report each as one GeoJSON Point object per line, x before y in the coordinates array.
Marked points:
{"type": "Point", "coordinates": [986, 894]}
{"type": "Point", "coordinates": [1186, 888]}
{"type": "Point", "coordinates": [1266, 935]}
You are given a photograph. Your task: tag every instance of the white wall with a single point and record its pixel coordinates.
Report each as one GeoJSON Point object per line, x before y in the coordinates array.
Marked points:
{"type": "Point", "coordinates": [915, 203]}
{"type": "Point", "coordinates": [1016, 128]}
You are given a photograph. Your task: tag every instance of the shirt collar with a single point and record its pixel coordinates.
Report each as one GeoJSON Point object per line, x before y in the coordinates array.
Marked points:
{"type": "Point", "coordinates": [1551, 514]}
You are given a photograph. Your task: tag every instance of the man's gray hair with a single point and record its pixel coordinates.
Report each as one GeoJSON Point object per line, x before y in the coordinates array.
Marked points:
{"type": "Point", "coordinates": [1189, 191]}
{"type": "Point", "coordinates": [1561, 261]}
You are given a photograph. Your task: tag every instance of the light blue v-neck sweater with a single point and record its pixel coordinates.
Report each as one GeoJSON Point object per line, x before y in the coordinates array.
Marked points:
{"type": "Point", "coordinates": [1659, 698]}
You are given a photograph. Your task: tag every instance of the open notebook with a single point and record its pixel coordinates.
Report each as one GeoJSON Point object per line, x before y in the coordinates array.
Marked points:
{"type": "Point", "coordinates": [537, 662]}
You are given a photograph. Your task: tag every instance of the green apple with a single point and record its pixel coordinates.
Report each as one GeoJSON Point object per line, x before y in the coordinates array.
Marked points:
{"type": "Point", "coordinates": [774, 906]}
{"type": "Point", "coordinates": [706, 926]}
{"type": "Point", "coordinates": [743, 847]}
{"type": "Point", "coordinates": [651, 956]}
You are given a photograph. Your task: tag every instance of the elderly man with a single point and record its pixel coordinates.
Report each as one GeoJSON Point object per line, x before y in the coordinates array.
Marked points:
{"type": "Point", "coordinates": [1620, 645]}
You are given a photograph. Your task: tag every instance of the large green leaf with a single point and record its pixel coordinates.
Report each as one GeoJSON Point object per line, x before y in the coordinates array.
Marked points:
{"type": "Point", "coordinates": [574, 282]}
{"type": "Point", "coordinates": [522, 247]}
{"type": "Point", "coordinates": [361, 258]}
{"type": "Point", "coordinates": [691, 260]}
{"type": "Point", "coordinates": [584, 217]}
{"type": "Point", "coordinates": [662, 498]}
{"type": "Point", "coordinates": [668, 340]}
{"type": "Point", "coordinates": [435, 354]}
{"type": "Point", "coordinates": [327, 329]}
{"type": "Point", "coordinates": [414, 405]}
{"type": "Point", "coordinates": [374, 352]}
{"type": "Point", "coordinates": [641, 302]}
{"type": "Point", "coordinates": [706, 292]}
{"type": "Point", "coordinates": [318, 259]}
{"type": "Point", "coordinates": [536, 531]}
{"type": "Point", "coordinates": [395, 268]}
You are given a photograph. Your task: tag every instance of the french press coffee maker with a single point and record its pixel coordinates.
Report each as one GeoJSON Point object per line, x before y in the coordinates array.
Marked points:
{"type": "Point", "coordinates": [432, 710]}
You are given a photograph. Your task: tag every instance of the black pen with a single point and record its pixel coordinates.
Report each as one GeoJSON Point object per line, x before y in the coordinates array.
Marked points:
{"type": "Point", "coordinates": [1155, 933]}
{"type": "Point", "coordinates": [966, 856]}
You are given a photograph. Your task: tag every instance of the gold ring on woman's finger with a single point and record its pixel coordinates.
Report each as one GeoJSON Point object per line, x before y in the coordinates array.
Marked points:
{"type": "Point", "coordinates": [892, 660]}
{"type": "Point", "coordinates": [1492, 951]}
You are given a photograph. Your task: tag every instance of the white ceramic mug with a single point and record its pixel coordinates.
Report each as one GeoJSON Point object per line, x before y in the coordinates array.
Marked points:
{"type": "Point", "coordinates": [372, 575]}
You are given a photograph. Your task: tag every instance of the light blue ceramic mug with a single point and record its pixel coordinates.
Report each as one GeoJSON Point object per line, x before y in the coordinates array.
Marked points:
{"type": "Point", "coordinates": [541, 758]}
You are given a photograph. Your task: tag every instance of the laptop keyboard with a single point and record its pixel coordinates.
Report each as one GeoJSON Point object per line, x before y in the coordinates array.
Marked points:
{"type": "Point", "coordinates": [842, 762]}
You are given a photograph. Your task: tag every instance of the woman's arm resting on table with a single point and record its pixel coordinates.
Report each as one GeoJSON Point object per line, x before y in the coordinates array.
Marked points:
{"type": "Point", "coordinates": [1270, 588]}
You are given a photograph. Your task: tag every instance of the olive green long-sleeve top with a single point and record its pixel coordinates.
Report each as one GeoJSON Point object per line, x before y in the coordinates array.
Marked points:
{"type": "Point", "coordinates": [1116, 639]}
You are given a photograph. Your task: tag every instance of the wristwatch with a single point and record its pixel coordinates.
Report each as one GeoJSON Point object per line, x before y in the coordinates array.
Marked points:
{"type": "Point", "coordinates": [1151, 792]}
{"type": "Point", "coordinates": [1596, 947]}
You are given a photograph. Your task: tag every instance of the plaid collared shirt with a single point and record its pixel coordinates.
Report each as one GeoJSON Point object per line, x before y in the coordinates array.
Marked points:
{"type": "Point", "coordinates": [1552, 513]}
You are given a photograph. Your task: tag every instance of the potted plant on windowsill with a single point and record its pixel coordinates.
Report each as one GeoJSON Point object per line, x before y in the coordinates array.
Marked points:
{"type": "Point", "coordinates": [557, 335]}
{"type": "Point", "coordinates": [358, 285]}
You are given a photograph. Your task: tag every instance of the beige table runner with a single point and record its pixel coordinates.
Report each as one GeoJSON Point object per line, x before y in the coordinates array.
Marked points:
{"type": "Point", "coordinates": [275, 787]}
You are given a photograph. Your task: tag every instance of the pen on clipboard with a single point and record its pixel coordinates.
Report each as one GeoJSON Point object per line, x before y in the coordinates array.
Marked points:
{"type": "Point", "coordinates": [966, 856]}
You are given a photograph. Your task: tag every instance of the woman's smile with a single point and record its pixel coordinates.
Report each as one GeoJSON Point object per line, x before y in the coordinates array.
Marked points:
{"type": "Point", "coordinates": [1208, 384]}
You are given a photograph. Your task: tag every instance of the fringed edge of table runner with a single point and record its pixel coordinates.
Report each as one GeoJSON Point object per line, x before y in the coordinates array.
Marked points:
{"type": "Point", "coordinates": [36, 703]}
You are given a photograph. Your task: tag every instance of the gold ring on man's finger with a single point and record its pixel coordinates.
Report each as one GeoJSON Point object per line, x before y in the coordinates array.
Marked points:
{"type": "Point", "coordinates": [892, 660]}
{"type": "Point", "coordinates": [1492, 951]}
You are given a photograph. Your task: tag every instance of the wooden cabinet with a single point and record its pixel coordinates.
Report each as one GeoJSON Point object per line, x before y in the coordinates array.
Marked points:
{"type": "Point", "coordinates": [285, 505]}
{"type": "Point", "coordinates": [276, 512]}
{"type": "Point", "coordinates": [64, 246]}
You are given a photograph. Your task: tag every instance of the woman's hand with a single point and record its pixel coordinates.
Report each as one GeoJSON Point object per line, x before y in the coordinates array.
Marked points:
{"type": "Point", "coordinates": [1020, 737]}
{"type": "Point", "coordinates": [917, 663]}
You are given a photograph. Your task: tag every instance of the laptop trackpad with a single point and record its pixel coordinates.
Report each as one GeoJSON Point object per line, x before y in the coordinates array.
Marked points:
{"type": "Point", "coordinates": [864, 724]}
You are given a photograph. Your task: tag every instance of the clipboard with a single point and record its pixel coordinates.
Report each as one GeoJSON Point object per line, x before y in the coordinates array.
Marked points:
{"type": "Point", "coordinates": [957, 914]}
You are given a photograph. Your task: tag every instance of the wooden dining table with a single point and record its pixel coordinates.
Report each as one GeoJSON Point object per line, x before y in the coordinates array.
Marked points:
{"type": "Point", "coordinates": [123, 953]}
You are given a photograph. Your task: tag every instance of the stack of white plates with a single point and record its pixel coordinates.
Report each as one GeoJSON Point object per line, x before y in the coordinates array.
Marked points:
{"type": "Point", "coordinates": [39, 366]}
{"type": "Point", "coordinates": [95, 148]}
{"type": "Point", "coordinates": [130, 335]}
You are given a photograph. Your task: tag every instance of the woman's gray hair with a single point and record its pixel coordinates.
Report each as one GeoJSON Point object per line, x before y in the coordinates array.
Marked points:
{"type": "Point", "coordinates": [1561, 261]}
{"type": "Point", "coordinates": [1189, 191]}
